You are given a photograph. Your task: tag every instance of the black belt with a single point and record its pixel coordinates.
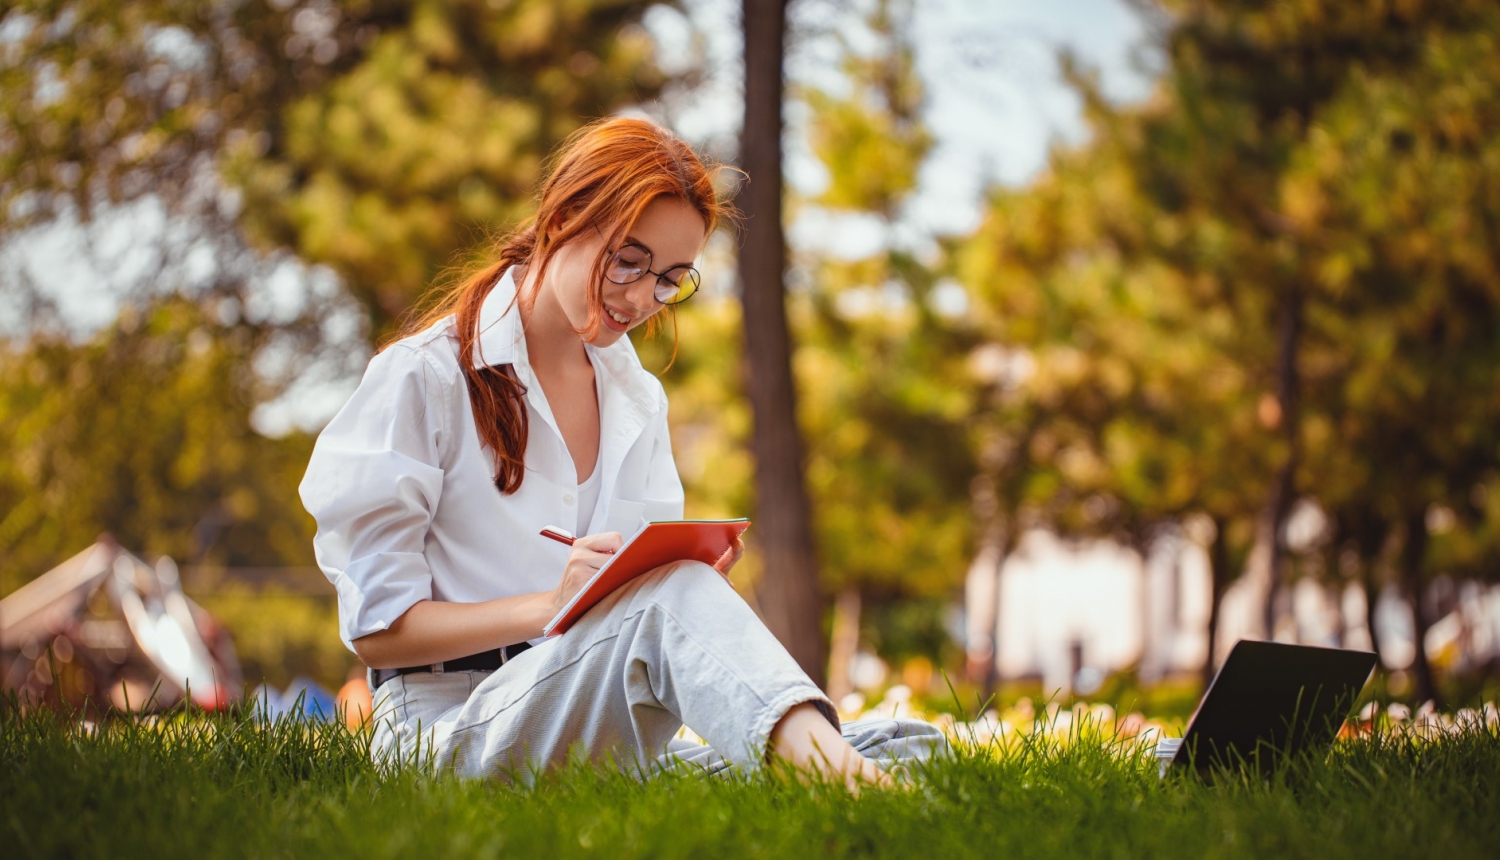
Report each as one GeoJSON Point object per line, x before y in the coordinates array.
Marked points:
{"type": "Point", "coordinates": [484, 661]}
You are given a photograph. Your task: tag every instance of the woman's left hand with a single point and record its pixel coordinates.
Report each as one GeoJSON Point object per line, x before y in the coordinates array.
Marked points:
{"type": "Point", "coordinates": [730, 556]}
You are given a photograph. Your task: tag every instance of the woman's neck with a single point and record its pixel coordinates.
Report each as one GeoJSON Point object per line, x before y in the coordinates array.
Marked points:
{"type": "Point", "coordinates": [551, 342]}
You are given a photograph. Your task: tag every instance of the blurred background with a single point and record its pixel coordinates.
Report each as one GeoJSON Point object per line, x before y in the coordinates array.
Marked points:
{"type": "Point", "coordinates": [1118, 331]}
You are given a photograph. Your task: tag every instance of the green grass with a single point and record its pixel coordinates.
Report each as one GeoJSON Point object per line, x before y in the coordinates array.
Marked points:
{"type": "Point", "coordinates": [194, 786]}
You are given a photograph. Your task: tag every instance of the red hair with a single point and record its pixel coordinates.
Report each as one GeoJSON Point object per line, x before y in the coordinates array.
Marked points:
{"type": "Point", "coordinates": [605, 175]}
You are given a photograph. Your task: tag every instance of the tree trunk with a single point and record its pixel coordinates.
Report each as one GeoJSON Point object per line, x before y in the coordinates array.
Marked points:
{"type": "Point", "coordinates": [1412, 553]}
{"type": "Point", "coordinates": [789, 594]}
{"type": "Point", "coordinates": [1340, 630]}
{"type": "Point", "coordinates": [982, 582]}
{"type": "Point", "coordinates": [1372, 598]}
{"type": "Point", "coordinates": [1218, 570]}
{"type": "Point", "coordinates": [1283, 489]}
{"type": "Point", "coordinates": [843, 644]}
{"type": "Point", "coordinates": [982, 608]}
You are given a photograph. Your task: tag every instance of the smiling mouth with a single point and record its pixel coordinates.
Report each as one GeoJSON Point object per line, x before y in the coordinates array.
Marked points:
{"type": "Point", "coordinates": [620, 320]}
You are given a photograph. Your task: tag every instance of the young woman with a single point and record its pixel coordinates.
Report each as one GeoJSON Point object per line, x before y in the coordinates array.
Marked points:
{"type": "Point", "coordinates": [517, 403]}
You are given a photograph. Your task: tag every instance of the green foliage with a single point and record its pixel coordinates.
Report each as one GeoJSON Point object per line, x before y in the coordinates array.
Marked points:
{"type": "Point", "coordinates": [280, 635]}
{"type": "Point", "coordinates": [886, 413]}
{"type": "Point", "coordinates": [1327, 161]}
{"type": "Point", "coordinates": [1401, 188]}
{"type": "Point", "coordinates": [106, 102]}
{"type": "Point", "coordinates": [1115, 370]}
{"type": "Point", "coordinates": [436, 135]}
{"type": "Point", "coordinates": [710, 415]}
{"type": "Point", "coordinates": [378, 137]}
{"type": "Point", "coordinates": [144, 432]}
{"type": "Point", "coordinates": [882, 398]}
{"type": "Point", "coordinates": [902, 629]}
{"type": "Point", "coordinates": [872, 141]}
{"type": "Point", "coordinates": [1115, 399]}
{"type": "Point", "coordinates": [885, 400]}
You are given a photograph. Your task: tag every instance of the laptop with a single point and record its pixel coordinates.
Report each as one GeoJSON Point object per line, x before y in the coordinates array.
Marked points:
{"type": "Point", "coordinates": [1271, 701]}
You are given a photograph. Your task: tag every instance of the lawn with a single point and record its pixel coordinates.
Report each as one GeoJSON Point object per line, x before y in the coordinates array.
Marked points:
{"type": "Point", "coordinates": [195, 786]}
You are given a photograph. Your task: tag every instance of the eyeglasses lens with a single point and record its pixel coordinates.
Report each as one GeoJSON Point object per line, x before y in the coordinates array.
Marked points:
{"type": "Point", "coordinates": [677, 285]}
{"type": "Point", "coordinates": [628, 264]}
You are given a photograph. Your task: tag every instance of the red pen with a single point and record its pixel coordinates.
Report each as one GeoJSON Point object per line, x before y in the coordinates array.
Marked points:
{"type": "Point", "coordinates": [562, 535]}
{"type": "Point", "coordinates": [559, 534]}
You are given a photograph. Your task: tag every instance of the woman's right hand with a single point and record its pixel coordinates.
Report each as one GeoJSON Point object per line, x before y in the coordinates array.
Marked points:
{"type": "Point", "coordinates": [589, 553]}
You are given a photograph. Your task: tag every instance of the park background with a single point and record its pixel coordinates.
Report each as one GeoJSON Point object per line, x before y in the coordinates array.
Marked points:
{"type": "Point", "coordinates": [1117, 332]}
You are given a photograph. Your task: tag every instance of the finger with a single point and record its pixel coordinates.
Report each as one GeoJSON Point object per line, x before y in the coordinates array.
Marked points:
{"type": "Point", "coordinates": [606, 542]}
{"type": "Point", "coordinates": [726, 561]}
{"type": "Point", "coordinates": [593, 559]}
{"type": "Point", "coordinates": [734, 553]}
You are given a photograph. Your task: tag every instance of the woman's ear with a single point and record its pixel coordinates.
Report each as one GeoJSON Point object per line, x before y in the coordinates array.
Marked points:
{"type": "Point", "coordinates": [565, 221]}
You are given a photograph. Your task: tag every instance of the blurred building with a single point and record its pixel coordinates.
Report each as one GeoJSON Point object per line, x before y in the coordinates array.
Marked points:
{"type": "Point", "coordinates": [1069, 612]}
{"type": "Point", "coordinates": [106, 630]}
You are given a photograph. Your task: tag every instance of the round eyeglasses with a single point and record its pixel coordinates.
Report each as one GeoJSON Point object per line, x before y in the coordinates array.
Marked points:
{"type": "Point", "coordinates": [633, 262]}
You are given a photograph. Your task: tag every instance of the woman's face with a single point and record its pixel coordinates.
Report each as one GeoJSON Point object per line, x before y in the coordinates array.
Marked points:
{"type": "Point", "coordinates": [670, 228]}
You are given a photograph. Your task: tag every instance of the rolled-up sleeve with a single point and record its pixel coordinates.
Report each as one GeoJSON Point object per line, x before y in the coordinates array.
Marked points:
{"type": "Point", "coordinates": [373, 484]}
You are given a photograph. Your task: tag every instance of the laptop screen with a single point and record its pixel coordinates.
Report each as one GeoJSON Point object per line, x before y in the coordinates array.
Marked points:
{"type": "Point", "coordinates": [1271, 701]}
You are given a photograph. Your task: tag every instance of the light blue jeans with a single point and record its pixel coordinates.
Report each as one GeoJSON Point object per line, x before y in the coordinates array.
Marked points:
{"type": "Point", "coordinates": [676, 646]}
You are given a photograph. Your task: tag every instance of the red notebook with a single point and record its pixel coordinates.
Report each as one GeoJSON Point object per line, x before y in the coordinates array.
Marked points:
{"type": "Point", "coordinates": [651, 547]}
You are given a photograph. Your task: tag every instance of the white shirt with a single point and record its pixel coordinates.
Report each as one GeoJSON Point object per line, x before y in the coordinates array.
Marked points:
{"type": "Point", "coordinates": [404, 493]}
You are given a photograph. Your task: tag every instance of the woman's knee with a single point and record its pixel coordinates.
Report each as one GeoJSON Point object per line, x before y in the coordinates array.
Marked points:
{"type": "Point", "coordinates": [687, 574]}
{"type": "Point", "coordinates": [683, 582]}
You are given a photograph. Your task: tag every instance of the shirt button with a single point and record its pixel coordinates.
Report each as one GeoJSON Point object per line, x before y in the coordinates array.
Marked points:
{"type": "Point", "coordinates": [567, 498]}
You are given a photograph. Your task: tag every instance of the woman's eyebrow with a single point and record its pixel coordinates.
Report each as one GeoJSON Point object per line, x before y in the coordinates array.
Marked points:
{"type": "Point", "coordinates": [631, 240]}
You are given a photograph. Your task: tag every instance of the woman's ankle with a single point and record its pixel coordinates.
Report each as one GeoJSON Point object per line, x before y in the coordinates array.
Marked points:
{"type": "Point", "coordinates": [806, 740]}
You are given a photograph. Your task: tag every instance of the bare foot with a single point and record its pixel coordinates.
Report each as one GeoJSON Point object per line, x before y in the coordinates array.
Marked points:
{"type": "Point", "coordinates": [809, 743]}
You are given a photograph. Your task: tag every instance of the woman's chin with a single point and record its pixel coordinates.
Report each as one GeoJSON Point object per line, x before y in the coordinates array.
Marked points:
{"type": "Point", "coordinates": [607, 336]}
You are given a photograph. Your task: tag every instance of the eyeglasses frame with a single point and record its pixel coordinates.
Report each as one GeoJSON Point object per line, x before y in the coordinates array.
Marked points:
{"type": "Point", "coordinates": [661, 277]}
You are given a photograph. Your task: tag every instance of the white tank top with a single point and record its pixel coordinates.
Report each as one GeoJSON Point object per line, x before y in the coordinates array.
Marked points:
{"type": "Point", "coordinates": [588, 497]}
{"type": "Point", "coordinates": [588, 491]}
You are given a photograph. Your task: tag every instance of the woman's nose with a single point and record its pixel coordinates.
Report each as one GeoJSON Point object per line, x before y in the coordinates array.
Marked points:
{"type": "Point", "coordinates": [642, 296]}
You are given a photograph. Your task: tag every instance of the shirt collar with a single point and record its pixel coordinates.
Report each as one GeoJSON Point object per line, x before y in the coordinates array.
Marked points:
{"type": "Point", "coordinates": [500, 338]}
{"type": "Point", "coordinates": [502, 341]}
